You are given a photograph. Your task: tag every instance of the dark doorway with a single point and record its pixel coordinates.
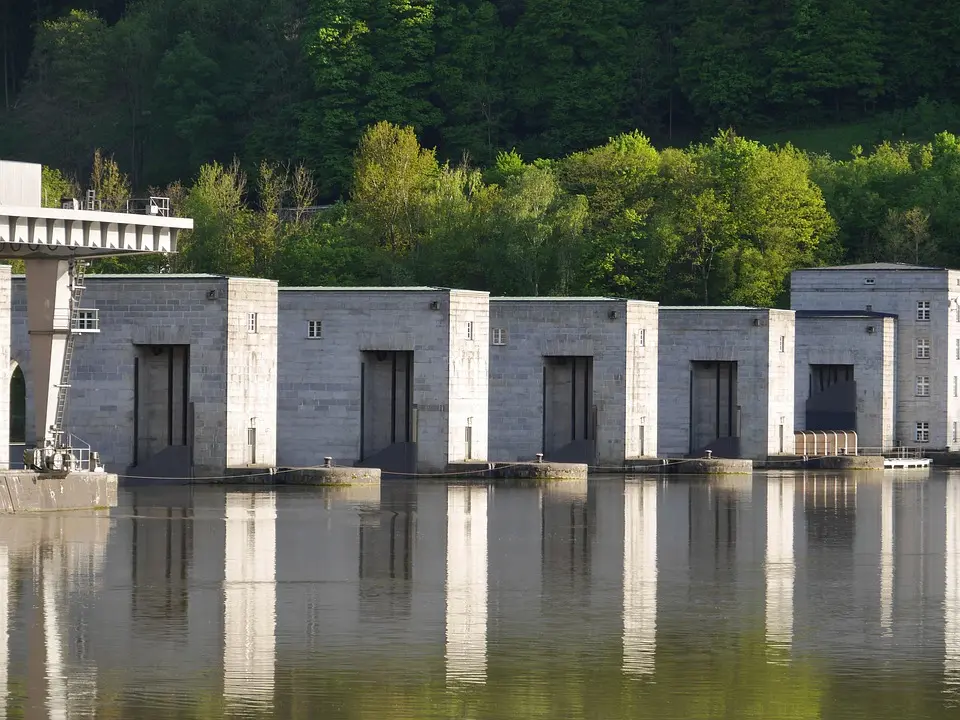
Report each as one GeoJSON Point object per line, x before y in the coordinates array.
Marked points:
{"type": "Point", "coordinates": [569, 417]}
{"type": "Point", "coordinates": [832, 400]}
{"type": "Point", "coordinates": [18, 406]}
{"type": "Point", "coordinates": [162, 432]}
{"type": "Point", "coordinates": [714, 409]}
{"type": "Point", "coordinates": [387, 417]}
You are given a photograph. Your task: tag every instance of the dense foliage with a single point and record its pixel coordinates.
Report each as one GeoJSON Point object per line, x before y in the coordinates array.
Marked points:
{"type": "Point", "coordinates": [166, 85]}
{"type": "Point", "coordinates": [264, 105]}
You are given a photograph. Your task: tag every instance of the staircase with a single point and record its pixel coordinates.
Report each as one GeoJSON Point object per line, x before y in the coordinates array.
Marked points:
{"type": "Point", "coordinates": [77, 276]}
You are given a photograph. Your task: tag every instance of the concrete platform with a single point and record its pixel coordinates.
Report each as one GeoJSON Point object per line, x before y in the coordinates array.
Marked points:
{"type": "Point", "coordinates": [317, 476]}
{"type": "Point", "coordinates": [847, 462]}
{"type": "Point", "coordinates": [516, 471]}
{"type": "Point", "coordinates": [24, 491]}
{"type": "Point", "coordinates": [709, 466]}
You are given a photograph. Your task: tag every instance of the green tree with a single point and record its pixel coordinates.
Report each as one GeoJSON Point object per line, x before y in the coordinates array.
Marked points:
{"type": "Point", "coordinates": [370, 62]}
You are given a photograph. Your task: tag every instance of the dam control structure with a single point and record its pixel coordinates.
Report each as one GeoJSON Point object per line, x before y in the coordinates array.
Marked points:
{"type": "Point", "coordinates": [55, 244]}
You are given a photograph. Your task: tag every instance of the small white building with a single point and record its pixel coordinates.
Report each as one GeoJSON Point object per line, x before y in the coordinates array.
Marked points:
{"type": "Point", "coordinates": [926, 304]}
{"type": "Point", "coordinates": [574, 379]}
{"type": "Point", "coordinates": [846, 366]}
{"type": "Point", "coordinates": [394, 378]}
{"type": "Point", "coordinates": [173, 375]}
{"type": "Point", "coordinates": [726, 381]}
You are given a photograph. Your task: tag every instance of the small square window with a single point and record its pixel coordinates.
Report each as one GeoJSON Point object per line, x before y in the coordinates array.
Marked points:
{"type": "Point", "coordinates": [642, 338]}
{"type": "Point", "coordinates": [922, 432]}
{"type": "Point", "coordinates": [783, 343]}
{"type": "Point", "coordinates": [470, 330]}
{"type": "Point", "coordinates": [923, 386]}
{"type": "Point", "coordinates": [923, 310]}
{"type": "Point", "coordinates": [499, 336]}
{"type": "Point", "coordinates": [923, 348]}
{"type": "Point", "coordinates": [314, 329]}
{"type": "Point", "coordinates": [252, 322]}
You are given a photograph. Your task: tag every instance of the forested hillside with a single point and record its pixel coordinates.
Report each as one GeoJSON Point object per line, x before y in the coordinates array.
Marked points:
{"type": "Point", "coordinates": [554, 124]}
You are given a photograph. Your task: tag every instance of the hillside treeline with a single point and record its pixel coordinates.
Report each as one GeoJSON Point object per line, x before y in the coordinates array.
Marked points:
{"type": "Point", "coordinates": [724, 221]}
{"type": "Point", "coordinates": [168, 85]}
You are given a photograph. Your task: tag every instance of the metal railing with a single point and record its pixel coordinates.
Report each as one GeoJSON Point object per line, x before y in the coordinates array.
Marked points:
{"type": "Point", "coordinates": [153, 205]}
{"type": "Point", "coordinates": [895, 451]}
{"type": "Point", "coordinates": [819, 443]}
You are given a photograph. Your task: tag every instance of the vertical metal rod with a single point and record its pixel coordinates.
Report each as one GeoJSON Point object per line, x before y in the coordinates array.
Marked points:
{"type": "Point", "coordinates": [363, 426]}
{"type": "Point", "coordinates": [186, 389]}
{"type": "Point", "coordinates": [573, 399]}
{"type": "Point", "coordinates": [136, 409]}
{"type": "Point", "coordinates": [393, 399]}
{"type": "Point", "coordinates": [169, 394]}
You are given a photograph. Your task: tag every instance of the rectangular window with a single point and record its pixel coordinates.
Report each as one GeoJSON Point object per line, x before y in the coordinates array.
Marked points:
{"type": "Point", "coordinates": [783, 343]}
{"type": "Point", "coordinates": [923, 348]}
{"type": "Point", "coordinates": [954, 432]}
{"type": "Point", "coordinates": [470, 330]}
{"type": "Point", "coordinates": [956, 388]}
{"type": "Point", "coordinates": [86, 320]}
{"type": "Point", "coordinates": [958, 310]}
{"type": "Point", "coordinates": [958, 348]}
{"type": "Point", "coordinates": [923, 310]}
{"type": "Point", "coordinates": [252, 322]}
{"type": "Point", "coordinates": [642, 338]}
{"type": "Point", "coordinates": [499, 336]}
{"type": "Point", "coordinates": [315, 329]}
{"type": "Point", "coordinates": [923, 386]}
{"type": "Point", "coordinates": [923, 432]}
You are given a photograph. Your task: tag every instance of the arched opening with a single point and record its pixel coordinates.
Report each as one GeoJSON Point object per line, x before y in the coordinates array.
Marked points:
{"type": "Point", "coordinates": [18, 406]}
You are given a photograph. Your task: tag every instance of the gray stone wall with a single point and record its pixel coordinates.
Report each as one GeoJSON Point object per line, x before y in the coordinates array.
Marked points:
{"type": "Point", "coordinates": [898, 292]}
{"type": "Point", "coordinates": [830, 340]}
{"type": "Point", "coordinates": [138, 310]}
{"type": "Point", "coordinates": [624, 373]}
{"type": "Point", "coordinates": [319, 378]}
{"type": "Point", "coordinates": [765, 387]}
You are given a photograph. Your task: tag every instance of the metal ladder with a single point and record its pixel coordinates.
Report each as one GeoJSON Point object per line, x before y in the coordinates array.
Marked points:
{"type": "Point", "coordinates": [77, 274]}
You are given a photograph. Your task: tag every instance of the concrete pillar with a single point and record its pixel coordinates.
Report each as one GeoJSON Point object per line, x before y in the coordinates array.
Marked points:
{"type": "Point", "coordinates": [48, 324]}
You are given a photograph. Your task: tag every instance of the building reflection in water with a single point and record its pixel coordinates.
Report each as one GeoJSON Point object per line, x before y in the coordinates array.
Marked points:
{"type": "Point", "coordinates": [250, 593]}
{"type": "Point", "coordinates": [639, 577]}
{"type": "Point", "coordinates": [780, 562]}
{"type": "Point", "coordinates": [886, 555]}
{"type": "Point", "coordinates": [951, 605]}
{"type": "Point", "coordinates": [466, 586]}
{"type": "Point", "coordinates": [64, 555]}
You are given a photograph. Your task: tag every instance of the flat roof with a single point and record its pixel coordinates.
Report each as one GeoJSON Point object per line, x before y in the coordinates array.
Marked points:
{"type": "Point", "coordinates": [842, 314]}
{"type": "Point", "coordinates": [365, 288]}
{"type": "Point", "coordinates": [875, 266]}
{"type": "Point", "coordinates": [716, 307]}
{"type": "Point", "coordinates": [547, 298]}
{"type": "Point", "coordinates": [159, 276]}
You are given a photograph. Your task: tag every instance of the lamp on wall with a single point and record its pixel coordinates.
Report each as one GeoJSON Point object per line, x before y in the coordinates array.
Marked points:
{"type": "Point", "coordinates": [613, 314]}
{"type": "Point", "coordinates": [434, 304]}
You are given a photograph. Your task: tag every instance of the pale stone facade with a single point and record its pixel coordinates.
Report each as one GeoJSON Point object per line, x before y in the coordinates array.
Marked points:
{"type": "Point", "coordinates": [177, 375]}
{"type": "Point", "coordinates": [609, 389]}
{"type": "Point", "coordinates": [753, 350]}
{"type": "Point", "coordinates": [864, 342]}
{"type": "Point", "coordinates": [926, 303]}
{"type": "Point", "coordinates": [388, 376]}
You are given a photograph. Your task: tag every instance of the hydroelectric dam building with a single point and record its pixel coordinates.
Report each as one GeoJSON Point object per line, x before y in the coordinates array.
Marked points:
{"type": "Point", "coordinates": [190, 376]}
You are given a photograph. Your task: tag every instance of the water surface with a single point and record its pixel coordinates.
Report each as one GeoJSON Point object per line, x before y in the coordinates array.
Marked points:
{"type": "Point", "coordinates": [781, 595]}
